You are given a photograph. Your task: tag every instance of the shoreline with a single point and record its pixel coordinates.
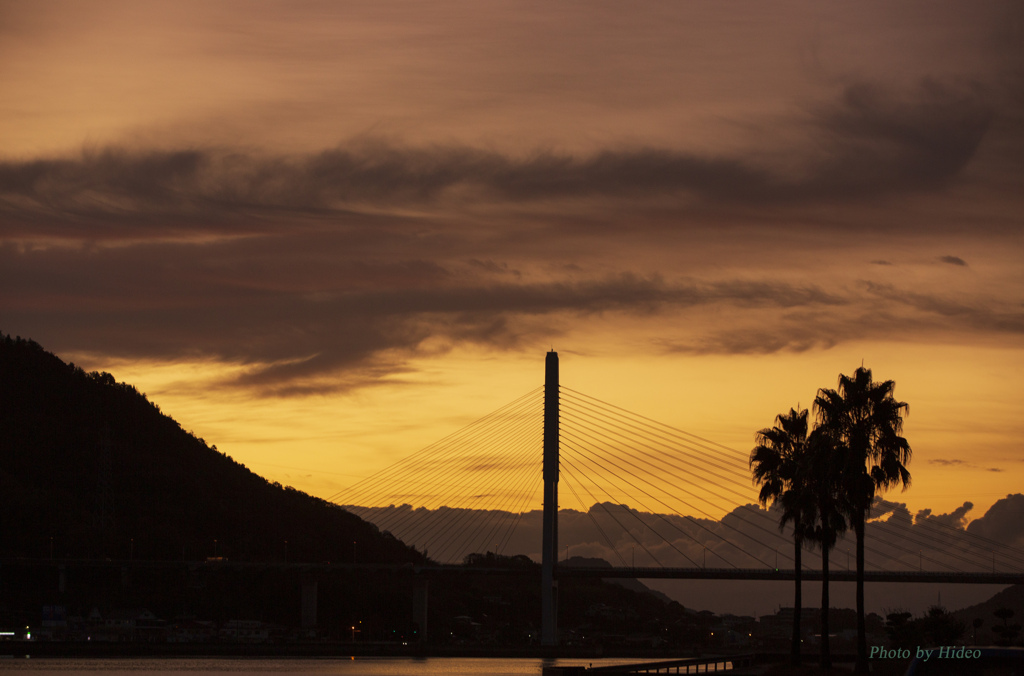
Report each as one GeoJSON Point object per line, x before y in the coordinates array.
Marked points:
{"type": "Point", "coordinates": [61, 649]}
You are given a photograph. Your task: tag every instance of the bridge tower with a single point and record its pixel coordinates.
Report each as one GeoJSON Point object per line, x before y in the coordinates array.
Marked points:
{"type": "Point", "coordinates": [549, 543]}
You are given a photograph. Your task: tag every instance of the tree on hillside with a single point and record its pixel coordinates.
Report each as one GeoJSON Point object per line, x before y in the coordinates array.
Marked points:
{"type": "Point", "coordinates": [1007, 632]}
{"type": "Point", "coordinates": [864, 422]}
{"type": "Point", "coordinates": [939, 627]}
{"type": "Point", "coordinates": [776, 463]}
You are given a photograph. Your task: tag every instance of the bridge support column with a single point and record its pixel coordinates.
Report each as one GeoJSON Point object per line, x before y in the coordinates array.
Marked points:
{"type": "Point", "coordinates": [420, 597]}
{"type": "Point", "coordinates": [549, 543]}
{"type": "Point", "coordinates": [309, 594]}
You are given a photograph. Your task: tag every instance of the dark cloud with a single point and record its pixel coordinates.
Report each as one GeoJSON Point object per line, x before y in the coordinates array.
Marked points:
{"type": "Point", "coordinates": [941, 461]}
{"type": "Point", "coordinates": [883, 143]}
{"type": "Point", "coordinates": [873, 143]}
{"type": "Point", "coordinates": [957, 518]}
{"type": "Point", "coordinates": [882, 507]}
{"type": "Point", "coordinates": [325, 310]}
{"type": "Point", "coordinates": [330, 270]}
{"type": "Point", "coordinates": [973, 316]}
{"type": "Point", "coordinates": [954, 260]}
{"type": "Point", "coordinates": [341, 306]}
{"type": "Point", "coordinates": [884, 311]}
{"type": "Point", "coordinates": [1003, 522]}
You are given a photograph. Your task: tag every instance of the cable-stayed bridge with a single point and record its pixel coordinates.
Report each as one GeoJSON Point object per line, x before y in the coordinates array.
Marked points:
{"type": "Point", "coordinates": [655, 500]}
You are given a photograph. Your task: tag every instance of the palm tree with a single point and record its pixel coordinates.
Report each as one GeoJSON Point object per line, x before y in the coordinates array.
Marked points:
{"type": "Point", "coordinates": [776, 463]}
{"type": "Point", "coordinates": [825, 514]}
{"type": "Point", "coordinates": [864, 421]}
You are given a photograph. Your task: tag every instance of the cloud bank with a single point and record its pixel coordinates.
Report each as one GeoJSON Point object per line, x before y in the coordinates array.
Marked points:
{"type": "Point", "coordinates": [747, 537]}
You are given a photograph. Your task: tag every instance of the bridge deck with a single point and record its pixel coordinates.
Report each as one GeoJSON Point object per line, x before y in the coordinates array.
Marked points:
{"type": "Point", "coordinates": [789, 574]}
{"type": "Point", "coordinates": [561, 571]}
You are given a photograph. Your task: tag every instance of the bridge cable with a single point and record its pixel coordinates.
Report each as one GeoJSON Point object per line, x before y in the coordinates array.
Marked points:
{"type": "Point", "coordinates": [740, 516]}
{"type": "Point", "coordinates": [399, 520]}
{"type": "Point", "coordinates": [478, 516]}
{"type": "Point", "coordinates": [744, 496]}
{"type": "Point", "coordinates": [527, 498]}
{"type": "Point", "coordinates": [717, 536]}
{"type": "Point", "coordinates": [440, 443]}
{"type": "Point", "coordinates": [655, 435]}
{"type": "Point", "coordinates": [585, 510]}
{"type": "Point", "coordinates": [498, 516]}
{"type": "Point", "coordinates": [907, 529]}
{"type": "Point", "coordinates": [427, 473]}
{"type": "Point", "coordinates": [449, 526]}
{"type": "Point", "coordinates": [706, 443]}
{"type": "Point", "coordinates": [443, 468]}
{"type": "Point", "coordinates": [663, 518]}
{"type": "Point", "coordinates": [581, 456]}
{"type": "Point", "coordinates": [628, 511]}
{"type": "Point", "coordinates": [648, 436]}
{"type": "Point", "coordinates": [648, 526]}
{"type": "Point", "coordinates": [475, 514]}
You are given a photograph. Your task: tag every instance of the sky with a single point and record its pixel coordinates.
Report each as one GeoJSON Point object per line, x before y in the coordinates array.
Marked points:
{"type": "Point", "coordinates": [324, 235]}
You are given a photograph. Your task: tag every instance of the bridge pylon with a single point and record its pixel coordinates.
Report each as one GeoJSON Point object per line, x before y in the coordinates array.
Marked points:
{"type": "Point", "coordinates": [549, 542]}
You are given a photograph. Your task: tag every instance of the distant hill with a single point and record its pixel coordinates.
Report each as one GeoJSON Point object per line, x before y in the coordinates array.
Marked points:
{"type": "Point", "coordinates": [93, 469]}
{"type": "Point", "coordinates": [1011, 597]}
{"type": "Point", "coordinates": [629, 583]}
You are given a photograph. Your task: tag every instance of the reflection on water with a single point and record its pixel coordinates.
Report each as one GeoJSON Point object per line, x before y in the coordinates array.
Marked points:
{"type": "Point", "coordinates": [361, 666]}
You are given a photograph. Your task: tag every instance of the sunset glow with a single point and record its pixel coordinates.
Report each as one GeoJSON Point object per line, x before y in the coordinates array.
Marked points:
{"type": "Point", "coordinates": [325, 235]}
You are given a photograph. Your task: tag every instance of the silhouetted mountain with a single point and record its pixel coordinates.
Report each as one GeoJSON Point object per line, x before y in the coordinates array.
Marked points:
{"type": "Point", "coordinates": [93, 469]}
{"type": "Point", "coordinates": [1012, 597]}
{"type": "Point", "coordinates": [629, 583]}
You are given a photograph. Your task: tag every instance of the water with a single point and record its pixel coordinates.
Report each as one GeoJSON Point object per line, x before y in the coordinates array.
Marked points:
{"type": "Point", "coordinates": [358, 666]}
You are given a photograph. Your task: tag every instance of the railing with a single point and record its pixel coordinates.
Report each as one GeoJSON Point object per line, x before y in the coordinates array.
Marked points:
{"type": "Point", "coordinates": [691, 665]}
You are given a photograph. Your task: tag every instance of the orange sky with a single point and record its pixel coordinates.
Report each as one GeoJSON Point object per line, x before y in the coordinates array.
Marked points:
{"type": "Point", "coordinates": [323, 236]}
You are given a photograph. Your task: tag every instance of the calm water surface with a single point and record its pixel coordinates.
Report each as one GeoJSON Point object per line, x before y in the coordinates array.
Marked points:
{"type": "Point", "coordinates": [370, 666]}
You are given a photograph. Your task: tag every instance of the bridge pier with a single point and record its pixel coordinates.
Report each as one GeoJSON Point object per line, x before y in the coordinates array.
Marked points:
{"type": "Point", "coordinates": [420, 599]}
{"type": "Point", "coordinates": [549, 540]}
{"type": "Point", "coordinates": [309, 596]}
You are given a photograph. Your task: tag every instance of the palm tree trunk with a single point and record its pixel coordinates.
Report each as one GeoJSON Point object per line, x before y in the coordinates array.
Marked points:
{"type": "Point", "coordinates": [826, 655]}
{"type": "Point", "coordinates": [861, 666]}
{"type": "Point", "coordinates": [797, 600]}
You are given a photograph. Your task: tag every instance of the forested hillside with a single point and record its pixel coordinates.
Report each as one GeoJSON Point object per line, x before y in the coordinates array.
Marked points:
{"type": "Point", "coordinates": [93, 469]}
